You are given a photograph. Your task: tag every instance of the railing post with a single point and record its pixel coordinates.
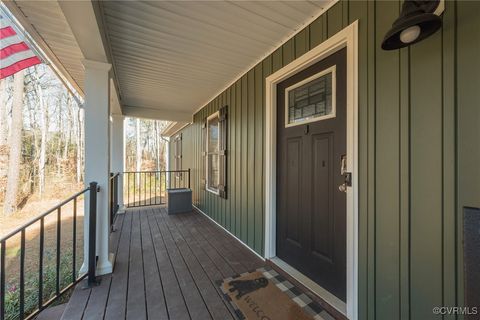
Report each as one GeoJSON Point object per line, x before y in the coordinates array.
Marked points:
{"type": "Point", "coordinates": [115, 190]}
{"type": "Point", "coordinates": [3, 248]}
{"type": "Point", "coordinates": [92, 236]}
{"type": "Point", "coordinates": [112, 186]}
{"type": "Point", "coordinates": [114, 201]}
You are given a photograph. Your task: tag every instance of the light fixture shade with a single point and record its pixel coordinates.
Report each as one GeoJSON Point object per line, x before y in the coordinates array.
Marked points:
{"type": "Point", "coordinates": [414, 13]}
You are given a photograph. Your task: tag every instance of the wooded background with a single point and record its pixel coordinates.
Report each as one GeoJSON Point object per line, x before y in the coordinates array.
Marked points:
{"type": "Point", "coordinates": [42, 140]}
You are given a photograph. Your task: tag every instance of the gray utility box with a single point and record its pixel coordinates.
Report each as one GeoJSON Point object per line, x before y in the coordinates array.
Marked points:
{"type": "Point", "coordinates": [179, 200]}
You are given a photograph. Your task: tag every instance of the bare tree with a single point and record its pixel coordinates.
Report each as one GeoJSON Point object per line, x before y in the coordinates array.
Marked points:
{"type": "Point", "coordinates": [43, 140]}
{"type": "Point", "coordinates": [3, 135]}
{"type": "Point", "coordinates": [3, 112]}
{"type": "Point", "coordinates": [79, 143]}
{"type": "Point", "coordinates": [15, 145]}
{"type": "Point", "coordinates": [68, 127]}
{"type": "Point", "coordinates": [138, 157]}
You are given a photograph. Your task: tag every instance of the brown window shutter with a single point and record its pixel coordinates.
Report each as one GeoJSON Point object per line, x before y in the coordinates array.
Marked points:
{"type": "Point", "coordinates": [222, 188]}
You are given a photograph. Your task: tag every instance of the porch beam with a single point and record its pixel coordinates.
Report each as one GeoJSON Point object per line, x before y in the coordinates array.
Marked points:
{"type": "Point", "coordinates": [85, 21]}
{"type": "Point", "coordinates": [157, 113]}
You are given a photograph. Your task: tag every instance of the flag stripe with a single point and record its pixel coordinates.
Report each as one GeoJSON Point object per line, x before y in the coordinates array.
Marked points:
{"type": "Point", "coordinates": [7, 32]}
{"type": "Point", "coordinates": [7, 42]}
{"type": "Point", "coordinates": [8, 61]}
{"type": "Point", "coordinates": [4, 22]}
{"type": "Point", "coordinates": [20, 65]}
{"type": "Point", "coordinates": [15, 54]}
{"type": "Point", "coordinates": [14, 48]}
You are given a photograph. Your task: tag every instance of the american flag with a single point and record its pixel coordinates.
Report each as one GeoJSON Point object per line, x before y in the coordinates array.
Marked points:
{"type": "Point", "coordinates": [15, 55]}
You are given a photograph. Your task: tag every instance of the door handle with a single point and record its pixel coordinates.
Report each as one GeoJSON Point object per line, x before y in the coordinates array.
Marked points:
{"type": "Point", "coordinates": [347, 182]}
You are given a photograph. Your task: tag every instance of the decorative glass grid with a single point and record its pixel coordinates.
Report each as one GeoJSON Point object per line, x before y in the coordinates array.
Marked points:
{"type": "Point", "coordinates": [311, 100]}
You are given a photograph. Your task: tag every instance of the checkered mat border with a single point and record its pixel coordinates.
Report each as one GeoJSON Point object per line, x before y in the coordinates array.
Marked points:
{"type": "Point", "coordinates": [308, 305]}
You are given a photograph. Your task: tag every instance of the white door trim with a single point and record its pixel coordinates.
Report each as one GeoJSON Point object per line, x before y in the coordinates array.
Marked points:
{"type": "Point", "coordinates": [348, 38]}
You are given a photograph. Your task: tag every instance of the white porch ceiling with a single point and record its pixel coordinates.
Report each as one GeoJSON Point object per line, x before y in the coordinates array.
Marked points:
{"type": "Point", "coordinates": [172, 57]}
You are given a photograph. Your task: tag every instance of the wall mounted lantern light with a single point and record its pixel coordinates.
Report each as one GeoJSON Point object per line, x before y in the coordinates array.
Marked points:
{"type": "Point", "coordinates": [417, 21]}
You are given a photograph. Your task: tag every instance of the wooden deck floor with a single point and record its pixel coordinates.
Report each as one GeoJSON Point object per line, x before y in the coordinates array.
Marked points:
{"type": "Point", "coordinates": [166, 268]}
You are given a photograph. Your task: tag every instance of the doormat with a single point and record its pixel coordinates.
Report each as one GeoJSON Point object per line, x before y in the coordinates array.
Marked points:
{"type": "Point", "coordinates": [266, 295]}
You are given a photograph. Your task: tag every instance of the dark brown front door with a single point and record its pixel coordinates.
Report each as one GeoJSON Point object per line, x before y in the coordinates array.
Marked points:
{"type": "Point", "coordinates": [311, 136]}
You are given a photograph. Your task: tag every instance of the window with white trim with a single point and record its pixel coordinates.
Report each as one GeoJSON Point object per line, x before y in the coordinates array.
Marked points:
{"type": "Point", "coordinates": [213, 153]}
{"type": "Point", "coordinates": [177, 152]}
{"type": "Point", "coordinates": [216, 153]}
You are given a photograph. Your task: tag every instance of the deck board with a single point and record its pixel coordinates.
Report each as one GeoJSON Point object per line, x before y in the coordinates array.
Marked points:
{"type": "Point", "coordinates": [176, 306]}
{"type": "Point", "coordinates": [136, 301]}
{"type": "Point", "coordinates": [194, 300]}
{"type": "Point", "coordinates": [196, 237]}
{"type": "Point", "coordinates": [154, 292]}
{"type": "Point", "coordinates": [118, 288]}
{"type": "Point", "coordinates": [213, 301]}
{"type": "Point", "coordinates": [166, 267]}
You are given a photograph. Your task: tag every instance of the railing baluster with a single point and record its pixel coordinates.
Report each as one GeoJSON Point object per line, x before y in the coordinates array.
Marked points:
{"type": "Point", "coordinates": [74, 241]}
{"type": "Point", "coordinates": [24, 311]}
{"type": "Point", "coordinates": [22, 275]}
{"type": "Point", "coordinates": [59, 238]}
{"type": "Point", "coordinates": [2, 279]}
{"type": "Point", "coordinates": [115, 195]}
{"type": "Point", "coordinates": [40, 264]}
{"type": "Point", "coordinates": [156, 175]}
{"type": "Point", "coordinates": [112, 185]}
{"type": "Point", "coordinates": [162, 180]}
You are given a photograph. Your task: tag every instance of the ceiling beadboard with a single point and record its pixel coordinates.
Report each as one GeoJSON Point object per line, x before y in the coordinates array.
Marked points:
{"type": "Point", "coordinates": [175, 55]}
{"type": "Point", "coordinates": [48, 20]}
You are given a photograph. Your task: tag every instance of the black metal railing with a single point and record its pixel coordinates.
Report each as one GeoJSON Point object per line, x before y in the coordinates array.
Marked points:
{"type": "Point", "coordinates": [17, 308]}
{"type": "Point", "coordinates": [146, 188]}
{"type": "Point", "coordinates": [114, 206]}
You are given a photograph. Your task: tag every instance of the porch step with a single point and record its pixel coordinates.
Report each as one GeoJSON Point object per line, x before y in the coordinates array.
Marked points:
{"type": "Point", "coordinates": [52, 313]}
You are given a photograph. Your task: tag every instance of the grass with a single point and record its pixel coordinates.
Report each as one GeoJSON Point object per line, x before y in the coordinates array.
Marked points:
{"type": "Point", "coordinates": [32, 260]}
{"type": "Point", "coordinates": [12, 296]}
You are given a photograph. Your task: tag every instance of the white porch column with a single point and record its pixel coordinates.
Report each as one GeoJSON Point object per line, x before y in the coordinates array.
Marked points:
{"type": "Point", "coordinates": [118, 154]}
{"type": "Point", "coordinates": [97, 157]}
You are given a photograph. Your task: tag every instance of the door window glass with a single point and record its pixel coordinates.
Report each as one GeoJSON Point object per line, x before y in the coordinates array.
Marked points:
{"type": "Point", "coordinates": [312, 99]}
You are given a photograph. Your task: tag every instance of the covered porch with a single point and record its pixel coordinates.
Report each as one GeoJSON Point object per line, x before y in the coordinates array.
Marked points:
{"type": "Point", "coordinates": [167, 267]}
{"type": "Point", "coordinates": [405, 176]}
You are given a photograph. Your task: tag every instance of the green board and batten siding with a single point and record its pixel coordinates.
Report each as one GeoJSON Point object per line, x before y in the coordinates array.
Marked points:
{"type": "Point", "coordinates": [418, 154]}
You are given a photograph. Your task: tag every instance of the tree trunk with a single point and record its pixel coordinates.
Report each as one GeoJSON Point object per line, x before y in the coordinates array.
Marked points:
{"type": "Point", "coordinates": [3, 136]}
{"type": "Point", "coordinates": [10, 204]}
{"type": "Point", "coordinates": [3, 113]}
{"type": "Point", "coordinates": [79, 140]}
{"type": "Point", "coordinates": [138, 157]}
{"type": "Point", "coordinates": [157, 145]}
{"type": "Point", "coordinates": [43, 141]}
{"type": "Point", "coordinates": [69, 125]}
{"type": "Point", "coordinates": [59, 138]}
